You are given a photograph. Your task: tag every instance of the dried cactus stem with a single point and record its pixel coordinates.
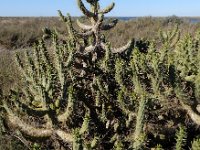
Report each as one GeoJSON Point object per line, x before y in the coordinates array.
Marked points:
{"type": "Point", "coordinates": [16, 123]}
{"type": "Point", "coordinates": [194, 115]}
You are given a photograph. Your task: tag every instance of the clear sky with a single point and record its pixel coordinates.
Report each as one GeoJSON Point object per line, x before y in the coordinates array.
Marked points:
{"type": "Point", "coordinates": [122, 8]}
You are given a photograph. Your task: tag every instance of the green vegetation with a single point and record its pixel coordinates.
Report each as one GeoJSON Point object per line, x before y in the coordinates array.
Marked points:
{"type": "Point", "coordinates": [75, 91]}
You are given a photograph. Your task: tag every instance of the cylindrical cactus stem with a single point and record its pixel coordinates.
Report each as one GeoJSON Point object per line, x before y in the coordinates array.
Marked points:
{"type": "Point", "coordinates": [103, 113]}
{"type": "Point", "coordinates": [64, 19]}
{"type": "Point", "coordinates": [105, 62]}
{"type": "Point", "coordinates": [83, 26]}
{"type": "Point", "coordinates": [119, 72]}
{"type": "Point", "coordinates": [92, 1]}
{"type": "Point", "coordinates": [84, 10]}
{"type": "Point", "coordinates": [69, 108]}
{"type": "Point", "coordinates": [77, 141]}
{"type": "Point", "coordinates": [41, 111]}
{"type": "Point", "coordinates": [181, 136]}
{"type": "Point", "coordinates": [110, 25]}
{"type": "Point", "coordinates": [94, 6]}
{"type": "Point", "coordinates": [16, 123]}
{"type": "Point", "coordinates": [138, 134]}
{"type": "Point", "coordinates": [194, 114]}
{"type": "Point", "coordinates": [70, 56]}
{"type": "Point", "coordinates": [102, 88]}
{"type": "Point", "coordinates": [95, 142]}
{"type": "Point", "coordinates": [85, 126]}
{"type": "Point", "coordinates": [74, 34]}
{"type": "Point", "coordinates": [120, 100]}
{"type": "Point", "coordinates": [98, 100]}
{"type": "Point", "coordinates": [107, 9]}
{"type": "Point", "coordinates": [123, 48]}
{"type": "Point", "coordinates": [66, 137]}
{"type": "Point", "coordinates": [70, 28]}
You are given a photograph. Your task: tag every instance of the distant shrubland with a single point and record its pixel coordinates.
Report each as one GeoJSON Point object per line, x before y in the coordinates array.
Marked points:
{"type": "Point", "coordinates": [21, 32]}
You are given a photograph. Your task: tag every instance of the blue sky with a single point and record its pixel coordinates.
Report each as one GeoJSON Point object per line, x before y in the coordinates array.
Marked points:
{"type": "Point", "coordinates": [122, 8]}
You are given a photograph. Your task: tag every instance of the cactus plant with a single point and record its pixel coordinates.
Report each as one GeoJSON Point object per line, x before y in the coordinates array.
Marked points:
{"type": "Point", "coordinates": [63, 82]}
{"type": "Point", "coordinates": [80, 93]}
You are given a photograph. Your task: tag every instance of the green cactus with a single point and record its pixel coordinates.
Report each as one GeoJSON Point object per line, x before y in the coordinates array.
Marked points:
{"type": "Point", "coordinates": [56, 81]}
{"type": "Point", "coordinates": [181, 138]}
{"type": "Point", "coordinates": [139, 135]}
{"type": "Point", "coordinates": [196, 144]}
{"type": "Point", "coordinates": [80, 93]}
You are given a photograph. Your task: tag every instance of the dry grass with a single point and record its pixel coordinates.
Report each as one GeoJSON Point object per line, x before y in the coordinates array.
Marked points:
{"type": "Point", "coordinates": [9, 74]}
{"type": "Point", "coordinates": [146, 28]}
{"type": "Point", "coordinates": [23, 32]}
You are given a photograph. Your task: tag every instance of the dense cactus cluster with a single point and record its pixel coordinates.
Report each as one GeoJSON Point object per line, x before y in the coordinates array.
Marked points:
{"type": "Point", "coordinates": [79, 93]}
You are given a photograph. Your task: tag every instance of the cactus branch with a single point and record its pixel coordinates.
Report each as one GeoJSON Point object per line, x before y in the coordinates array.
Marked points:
{"type": "Point", "coordinates": [64, 19]}
{"type": "Point", "coordinates": [30, 110]}
{"type": "Point", "coordinates": [66, 137]}
{"type": "Point", "coordinates": [194, 115]}
{"type": "Point", "coordinates": [107, 9]}
{"type": "Point", "coordinates": [123, 48]}
{"type": "Point", "coordinates": [29, 130]}
{"type": "Point", "coordinates": [138, 134]}
{"type": "Point", "coordinates": [84, 10]}
{"type": "Point", "coordinates": [110, 25]}
{"type": "Point", "coordinates": [90, 48]}
{"type": "Point", "coordinates": [83, 26]}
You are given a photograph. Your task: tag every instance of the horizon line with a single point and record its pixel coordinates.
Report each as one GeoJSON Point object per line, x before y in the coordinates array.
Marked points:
{"type": "Point", "coordinates": [106, 16]}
